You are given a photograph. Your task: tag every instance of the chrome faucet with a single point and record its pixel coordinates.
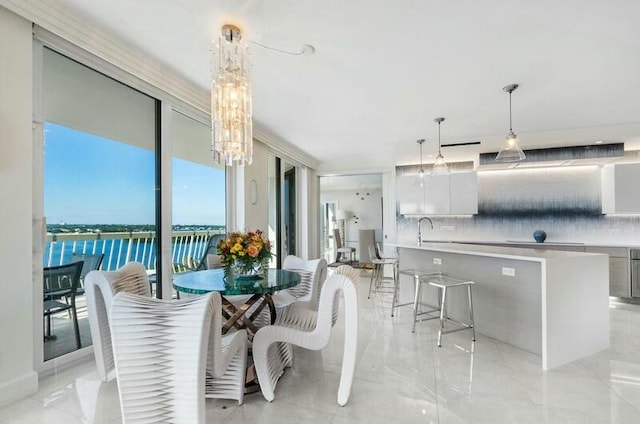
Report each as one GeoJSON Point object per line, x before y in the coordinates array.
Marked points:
{"type": "Point", "coordinates": [424, 218]}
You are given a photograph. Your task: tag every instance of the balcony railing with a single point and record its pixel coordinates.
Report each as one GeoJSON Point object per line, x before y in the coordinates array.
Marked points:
{"type": "Point", "coordinates": [120, 248]}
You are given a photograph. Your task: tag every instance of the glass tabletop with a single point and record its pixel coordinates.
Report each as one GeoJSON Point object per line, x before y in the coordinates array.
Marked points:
{"type": "Point", "coordinates": [200, 282]}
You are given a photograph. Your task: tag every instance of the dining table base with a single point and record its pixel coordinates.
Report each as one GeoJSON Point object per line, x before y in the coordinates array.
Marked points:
{"type": "Point", "coordinates": [236, 316]}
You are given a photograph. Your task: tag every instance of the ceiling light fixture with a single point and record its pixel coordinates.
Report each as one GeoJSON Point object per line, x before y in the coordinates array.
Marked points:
{"type": "Point", "coordinates": [420, 181]}
{"type": "Point", "coordinates": [232, 130]}
{"type": "Point", "coordinates": [511, 152]}
{"type": "Point", "coordinates": [440, 166]}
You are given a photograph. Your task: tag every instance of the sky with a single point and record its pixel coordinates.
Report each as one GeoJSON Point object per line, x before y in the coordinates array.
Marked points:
{"type": "Point", "coordinates": [93, 180]}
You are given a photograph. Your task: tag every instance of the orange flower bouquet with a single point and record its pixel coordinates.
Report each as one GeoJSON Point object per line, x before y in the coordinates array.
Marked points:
{"type": "Point", "coordinates": [245, 254]}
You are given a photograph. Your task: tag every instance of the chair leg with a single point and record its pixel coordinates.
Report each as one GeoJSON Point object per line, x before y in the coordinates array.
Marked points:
{"type": "Point", "coordinates": [442, 315]}
{"type": "Point", "coordinates": [416, 302]}
{"type": "Point", "coordinates": [394, 300]}
{"type": "Point", "coordinates": [473, 325]}
{"type": "Point", "coordinates": [76, 327]}
{"type": "Point", "coordinates": [373, 278]}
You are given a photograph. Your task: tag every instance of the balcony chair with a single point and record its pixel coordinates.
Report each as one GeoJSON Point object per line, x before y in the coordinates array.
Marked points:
{"type": "Point", "coordinates": [302, 326]}
{"type": "Point", "coordinates": [91, 263]}
{"type": "Point", "coordinates": [61, 282]}
{"type": "Point", "coordinates": [101, 287]}
{"type": "Point", "coordinates": [208, 259]}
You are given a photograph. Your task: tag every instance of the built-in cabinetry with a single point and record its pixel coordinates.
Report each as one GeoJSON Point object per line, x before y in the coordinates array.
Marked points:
{"type": "Point", "coordinates": [619, 279]}
{"type": "Point", "coordinates": [455, 194]}
{"type": "Point", "coordinates": [621, 188]}
{"type": "Point", "coordinates": [619, 262]}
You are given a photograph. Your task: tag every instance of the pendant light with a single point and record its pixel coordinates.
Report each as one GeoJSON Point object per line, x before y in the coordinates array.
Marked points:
{"type": "Point", "coordinates": [511, 152]}
{"type": "Point", "coordinates": [440, 166]}
{"type": "Point", "coordinates": [420, 179]}
{"type": "Point", "coordinates": [231, 115]}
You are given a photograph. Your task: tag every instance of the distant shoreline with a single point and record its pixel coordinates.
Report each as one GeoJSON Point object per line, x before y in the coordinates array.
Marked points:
{"type": "Point", "coordinates": [120, 228]}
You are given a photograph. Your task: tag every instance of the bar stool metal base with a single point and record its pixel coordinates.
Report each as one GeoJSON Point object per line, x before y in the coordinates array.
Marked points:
{"type": "Point", "coordinates": [443, 282]}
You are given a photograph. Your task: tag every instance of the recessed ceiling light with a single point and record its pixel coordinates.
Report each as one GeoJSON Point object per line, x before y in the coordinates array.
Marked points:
{"type": "Point", "coordinates": [599, 142]}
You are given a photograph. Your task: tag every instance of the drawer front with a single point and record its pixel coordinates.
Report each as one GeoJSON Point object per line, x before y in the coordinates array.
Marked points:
{"type": "Point", "coordinates": [619, 282]}
{"type": "Point", "coordinates": [616, 252]}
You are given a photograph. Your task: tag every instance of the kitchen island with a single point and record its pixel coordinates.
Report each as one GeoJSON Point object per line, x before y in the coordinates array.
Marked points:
{"type": "Point", "coordinates": [552, 303]}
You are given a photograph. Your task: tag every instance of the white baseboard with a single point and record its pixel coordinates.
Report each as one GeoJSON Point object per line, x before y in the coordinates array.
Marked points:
{"type": "Point", "coordinates": [18, 388]}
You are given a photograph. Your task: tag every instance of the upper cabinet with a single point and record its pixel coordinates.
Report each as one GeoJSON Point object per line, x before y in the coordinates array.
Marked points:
{"type": "Point", "coordinates": [620, 188]}
{"type": "Point", "coordinates": [463, 187]}
{"type": "Point", "coordinates": [455, 194]}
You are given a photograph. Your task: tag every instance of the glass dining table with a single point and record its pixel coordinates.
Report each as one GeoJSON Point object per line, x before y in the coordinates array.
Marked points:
{"type": "Point", "coordinates": [238, 312]}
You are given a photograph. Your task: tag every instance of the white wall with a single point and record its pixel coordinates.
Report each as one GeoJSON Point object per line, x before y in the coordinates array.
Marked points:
{"type": "Point", "coordinates": [368, 211]}
{"type": "Point", "coordinates": [17, 376]}
{"type": "Point", "coordinates": [256, 217]}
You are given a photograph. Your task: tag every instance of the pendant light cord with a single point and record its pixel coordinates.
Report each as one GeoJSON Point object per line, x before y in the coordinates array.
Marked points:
{"type": "Point", "coordinates": [439, 151]}
{"type": "Point", "coordinates": [305, 49]}
{"type": "Point", "coordinates": [510, 125]}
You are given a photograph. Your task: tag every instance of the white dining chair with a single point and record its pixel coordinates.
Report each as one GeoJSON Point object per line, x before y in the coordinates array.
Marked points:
{"type": "Point", "coordinates": [160, 349]}
{"type": "Point", "coordinates": [100, 288]}
{"type": "Point", "coordinates": [313, 273]}
{"type": "Point", "coordinates": [302, 326]}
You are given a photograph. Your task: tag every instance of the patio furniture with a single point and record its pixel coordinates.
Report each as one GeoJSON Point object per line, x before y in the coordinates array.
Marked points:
{"type": "Point", "coordinates": [310, 329]}
{"type": "Point", "coordinates": [208, 259]}
{"type": "Point", "coordinates": [61, 282]}
{"type": "Point", "coordinates": [101, 287]}
{"type": "Point", "coordinates": [91, 263]}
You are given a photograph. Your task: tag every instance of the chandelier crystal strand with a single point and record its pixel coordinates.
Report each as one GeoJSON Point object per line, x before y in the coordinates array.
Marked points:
{"type": "Point", "coordinates": [231, 99]}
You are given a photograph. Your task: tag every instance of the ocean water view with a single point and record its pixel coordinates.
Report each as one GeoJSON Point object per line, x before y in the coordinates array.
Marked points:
{"type": "Point", "coordinates": [188, 244]}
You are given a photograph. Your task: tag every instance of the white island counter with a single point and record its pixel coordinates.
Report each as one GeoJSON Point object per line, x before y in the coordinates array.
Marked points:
{"type": "Point", "coordinates": [551, 303]}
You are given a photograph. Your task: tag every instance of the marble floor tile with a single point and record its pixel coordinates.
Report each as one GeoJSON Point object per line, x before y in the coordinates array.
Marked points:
{"type": "Point", "coordinates": [401, 377]}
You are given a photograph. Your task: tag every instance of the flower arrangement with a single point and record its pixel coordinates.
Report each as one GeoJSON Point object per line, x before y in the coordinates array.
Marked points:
{"type": "Point", "coordinates": [245, 253]}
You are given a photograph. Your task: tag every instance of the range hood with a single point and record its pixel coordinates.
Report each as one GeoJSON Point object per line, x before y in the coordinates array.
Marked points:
{"type": "Point", "coordinates": [599, 154]}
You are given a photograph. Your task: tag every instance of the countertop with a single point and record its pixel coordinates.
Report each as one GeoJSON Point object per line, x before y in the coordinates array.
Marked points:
{"type": "Point", "coordinates": [518, 253]}
{"type": "Point", "coordinates": [533, 242]}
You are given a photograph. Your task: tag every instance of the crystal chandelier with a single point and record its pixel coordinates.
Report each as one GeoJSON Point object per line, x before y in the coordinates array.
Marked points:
{"type": "Point", "coordinates": [231, 99]}
{"type": "Point", "coordinates": [440, 166]}
{"type": "Point", "coordinates": [511, 152]}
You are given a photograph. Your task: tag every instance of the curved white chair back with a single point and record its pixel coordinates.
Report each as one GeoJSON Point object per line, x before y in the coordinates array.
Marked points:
{"type": "Point", "coordinates": [100, 288]}
{"type": "Point", "coordinates": [353, 275]}
{"type": "Point", "coordinates": [267, 340]}
{"type": "Point", "coordinates": [313, 273]}
{"type": "Point", "coordinates": [226, 359]}
{"type": "Point", "coordinates": [160, 352]}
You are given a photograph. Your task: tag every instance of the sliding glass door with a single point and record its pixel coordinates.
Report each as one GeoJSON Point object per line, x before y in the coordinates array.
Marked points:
{"type": "Point", "coordinates": [100, 189]}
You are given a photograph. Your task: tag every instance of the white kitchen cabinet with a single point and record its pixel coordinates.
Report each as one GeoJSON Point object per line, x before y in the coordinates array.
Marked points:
{"type": "Point", "coordinates": [463, 189]}
{"type": "Point", "coordinates": [409, 194]}
{"type": "Point", "coordinates": [620, 189]}
{"type": "Point", "coordinates": [455, 193]}
{"type": "Point", "coordinates": [436, 195]}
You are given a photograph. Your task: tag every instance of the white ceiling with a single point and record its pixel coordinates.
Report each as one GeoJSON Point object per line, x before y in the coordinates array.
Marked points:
{"type": "Point", "coordinates": [351, 182]}
{"type": "Point", "coordinates": [384, 69]}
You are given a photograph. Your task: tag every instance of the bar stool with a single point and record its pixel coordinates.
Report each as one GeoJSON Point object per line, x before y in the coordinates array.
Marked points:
{"type": "Point", "coordinates": [378, 278]}
{"type": "Point", "coordinates": [443, 282]}
{"type": "Point", "coordinates": [416, 275]}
